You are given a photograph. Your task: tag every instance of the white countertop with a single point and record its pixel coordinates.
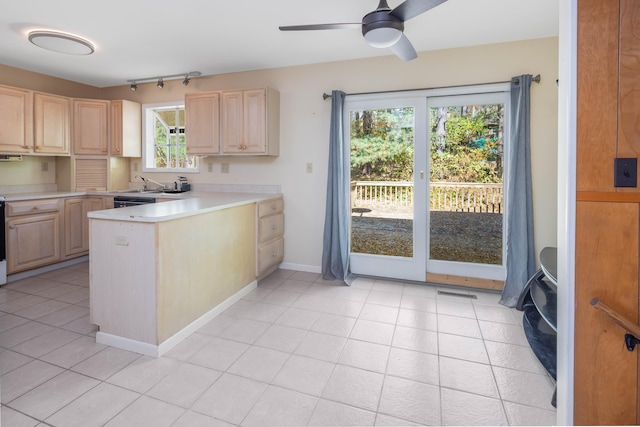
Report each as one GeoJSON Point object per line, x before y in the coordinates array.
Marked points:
{"type": "Point", "coordinates": [43, 195]}
{"type": "Point", "coordinates": [191, 203]}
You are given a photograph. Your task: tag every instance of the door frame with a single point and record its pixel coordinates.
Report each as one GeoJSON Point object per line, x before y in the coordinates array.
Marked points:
{"type": "Point", "coordinates": [395, 267]}
{"type": "Point", "coordinates": [416, 268]}
{"type": "Point", "coordinates": [465, 269]}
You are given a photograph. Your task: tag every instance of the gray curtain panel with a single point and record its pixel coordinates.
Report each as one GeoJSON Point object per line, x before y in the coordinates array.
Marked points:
{"type": "Point", "coordinates": [335, 246]}
{"type": "Point", "coordinates": [520, 252]}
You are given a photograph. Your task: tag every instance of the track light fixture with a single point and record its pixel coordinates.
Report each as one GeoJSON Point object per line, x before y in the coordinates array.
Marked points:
{"type": "Point", "coordinates": [160, 79]}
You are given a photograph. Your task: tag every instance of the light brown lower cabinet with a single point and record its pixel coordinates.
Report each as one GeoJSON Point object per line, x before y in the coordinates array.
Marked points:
{"type": "Point", "coordinates": [33, 234]}
{"type": "Point", "coordinates": [269, 235]}
{"type": "Point", "coordinates": [76, 224]}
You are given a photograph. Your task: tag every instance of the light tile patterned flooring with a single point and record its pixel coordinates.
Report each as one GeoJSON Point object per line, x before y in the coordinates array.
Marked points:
{"type": "Point", "coordinates": [297, 351]}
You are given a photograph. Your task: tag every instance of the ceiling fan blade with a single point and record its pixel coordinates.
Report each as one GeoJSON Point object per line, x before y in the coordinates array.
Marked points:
{"type": "Point", "coordinates": [404, 49]}
{"type": "Point", "coordinates": [343, 26]}
{"type": "Point", "coordinates": [412, 8]}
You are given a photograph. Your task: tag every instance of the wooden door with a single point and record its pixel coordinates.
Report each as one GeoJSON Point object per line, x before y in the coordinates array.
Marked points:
{"type": "Point", "coordinates": [125, 129]}
{"type": "Point", "coordinates": [32, 241]}
{"type": "Point", "coordinates": [74, 230]}
{"type": "Point", "coordinates": [607, 217]}
{"type": "Point", "coordinates": [232, 122]}
{"type": "Point", "coordinates": [90, 127]}
{"type": "Point", "coordinates": [202, 122]}
{"type": "Point", "coordinates": [254, 121]}
{"type": "Point", "coordinates": [16, 126]}
{"type": "Point", "coordinates": [51, 117]}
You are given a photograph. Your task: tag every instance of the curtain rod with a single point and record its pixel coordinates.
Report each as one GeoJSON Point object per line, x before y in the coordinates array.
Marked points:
{"type": "Point", "coordinates": [326, 96]}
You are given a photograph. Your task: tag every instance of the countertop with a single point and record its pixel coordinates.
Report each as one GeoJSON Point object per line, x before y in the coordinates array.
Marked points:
{"type": "Point", "coordinates": [185, 204]}
{"type": "Point", "coordinates": [189, 204]}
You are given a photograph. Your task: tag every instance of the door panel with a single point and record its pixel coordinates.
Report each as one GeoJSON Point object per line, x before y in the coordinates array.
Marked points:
{"type": "Point", "coordinates": [468, 140]}
{"type": "Point", "coordinates": [388, 187]}
{"type": "Point", "coordinates": [606, 373]}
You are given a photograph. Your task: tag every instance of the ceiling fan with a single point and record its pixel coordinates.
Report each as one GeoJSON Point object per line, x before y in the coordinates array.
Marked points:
{"type": "Point", "coordinates": [383, 27]}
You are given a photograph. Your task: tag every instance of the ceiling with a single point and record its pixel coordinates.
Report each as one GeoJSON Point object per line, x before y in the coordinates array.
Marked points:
{"type": "Point", "coordinates": [136, 39]}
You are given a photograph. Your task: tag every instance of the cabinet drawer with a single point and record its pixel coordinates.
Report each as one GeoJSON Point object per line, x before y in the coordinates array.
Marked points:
{"type": "Point", "coordinates": [32, 206]}
{"type": "Point", "coordinates": [269, 207]}
{"type": "Point", "coordinates": [270, 227]}
{"type": "Point", "coordinates": [270, 254]}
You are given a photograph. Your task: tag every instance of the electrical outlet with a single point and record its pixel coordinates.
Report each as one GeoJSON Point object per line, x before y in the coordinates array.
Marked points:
{"type": "Point", "coordinates": [122, 240]}
{"type": "Point", "coordinates": [309, 167]}
{"type": "Point", "coordinates": [45, 167]}
{"type": "Point", "coordinates": [210, 167]}
{"type": "Point", "coordinates": [625, 172]}
{"type": "Point", "coordinates": [224, 167]}
{"type": "Point", "coordinates": [135, 166]}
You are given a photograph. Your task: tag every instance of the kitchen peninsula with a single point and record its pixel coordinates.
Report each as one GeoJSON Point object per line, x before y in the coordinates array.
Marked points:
{"type": "Point", "coordinates": [160, 271]}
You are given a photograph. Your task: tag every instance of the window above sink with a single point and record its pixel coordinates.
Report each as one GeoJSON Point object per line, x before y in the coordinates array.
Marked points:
{"type": "Point", "coordinates": [164, 140]}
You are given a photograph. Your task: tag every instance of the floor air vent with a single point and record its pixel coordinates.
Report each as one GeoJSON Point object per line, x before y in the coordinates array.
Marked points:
{"type": "Point", "coordinates": [455, 294]}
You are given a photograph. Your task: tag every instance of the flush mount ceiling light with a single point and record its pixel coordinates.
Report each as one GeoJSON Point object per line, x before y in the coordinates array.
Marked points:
{"type": "Point", "coordinates": [60, 42]}
{"type": "Point", "coordinates": [160, 79]}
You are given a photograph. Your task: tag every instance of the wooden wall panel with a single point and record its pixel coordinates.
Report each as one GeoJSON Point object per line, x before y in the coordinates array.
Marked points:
{"type": "Point", "coordinates": [598, 23]}
{"type": "Point", "coordinates": [629, 103]}
{"type": "Point", "coordinates": [605, 384]}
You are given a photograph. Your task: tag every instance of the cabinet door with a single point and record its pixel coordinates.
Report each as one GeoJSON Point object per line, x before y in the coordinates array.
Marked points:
{"type": "Point", "coordinates": [76, 223]}
{"type": "Point", "coordinates": [90, 127]}
{"type": "Point", "coordinates": [74, 234]}
{"type": "Point", "coordinates": [254, 121]}
{"type": "Point", "coordinates": [202, 123]}
{"type": "Point", "coordinates": [125, 123]}
{"type": "Point", "coordinates": [231, 122]}
{"type": "Point", "coordinates": [16, 127]}
{"type": "Point", "coordinates": [51, 119]}
{"type": "Point", "coordinates": [32, 241]}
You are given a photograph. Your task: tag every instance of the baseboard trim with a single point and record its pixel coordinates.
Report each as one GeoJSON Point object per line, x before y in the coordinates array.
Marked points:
{"type": "Point", "coordinates": [153, 350]}
{"type": "Point", "coordinates": [301, 267]}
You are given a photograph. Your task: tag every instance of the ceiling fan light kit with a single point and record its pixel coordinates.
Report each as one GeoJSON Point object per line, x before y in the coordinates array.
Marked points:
{"type": "Point", "coordinates": [384, 27]}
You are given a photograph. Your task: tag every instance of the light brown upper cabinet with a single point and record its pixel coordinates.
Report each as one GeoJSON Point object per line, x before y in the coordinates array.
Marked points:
{"type": "Point", "coordinates": [34, 122]}
{"type": "Point", "coordinates": [202, 122]}
{"type": "Point", "coordinates": [16, 120]}
{"type": "Point", "coordinates": [51, 123]}
{"type": "Point", "coordinates": [90, 127]}
{"type": "Point", "coordinates": [250, 122]}
{"type": "Point", "coordinates": [126, 128]}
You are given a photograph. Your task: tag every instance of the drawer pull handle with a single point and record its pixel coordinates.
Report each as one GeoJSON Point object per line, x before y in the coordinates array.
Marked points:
{"type": "Point", "coordinates": [12, 227]}
{"type": "Point", "coordinates": [273, 254]}
{"type": "Point", "coordinates": [35, 208]}
{"type": "Point", "coordinates": [274, 227]}
{"type": "Point", "coordinates": [273, 207]}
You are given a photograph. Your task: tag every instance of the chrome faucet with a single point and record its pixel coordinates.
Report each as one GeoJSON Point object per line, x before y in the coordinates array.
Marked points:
{"type": "Point", "coordinates": [146, 183]}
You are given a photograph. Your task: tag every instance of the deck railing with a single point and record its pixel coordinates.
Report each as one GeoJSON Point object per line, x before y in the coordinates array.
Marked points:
{"type": "Point", "coordinates": [445, 196]}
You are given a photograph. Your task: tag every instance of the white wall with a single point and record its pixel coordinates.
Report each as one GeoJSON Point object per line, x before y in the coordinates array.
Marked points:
{"type": "Point", "coordinates": [304, 126]}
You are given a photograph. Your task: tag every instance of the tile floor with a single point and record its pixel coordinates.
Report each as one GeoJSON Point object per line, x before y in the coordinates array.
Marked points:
{"type": "Point", "coordinates": [297, 351]}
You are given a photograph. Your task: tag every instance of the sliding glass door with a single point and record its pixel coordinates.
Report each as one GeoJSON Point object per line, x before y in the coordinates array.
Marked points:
{"type": "Point", "coordinates": [427, 177]}
{"type": "Point", "coordinates": [388, 169]}
{"type": "Point", "coordinates": [467, 137]}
